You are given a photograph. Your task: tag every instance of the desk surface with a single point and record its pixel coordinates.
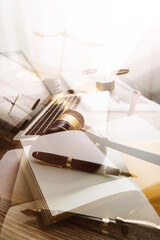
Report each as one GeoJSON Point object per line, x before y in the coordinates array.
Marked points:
{"type": "Point", "coordinates": [19, 226]}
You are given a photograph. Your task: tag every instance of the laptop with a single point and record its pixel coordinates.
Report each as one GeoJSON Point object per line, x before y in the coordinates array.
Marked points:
{"type": "Point", "coordinates": [28, 106]}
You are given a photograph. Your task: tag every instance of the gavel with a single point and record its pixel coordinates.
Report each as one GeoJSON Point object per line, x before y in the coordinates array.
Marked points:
{"type": "Point", "coordinates": [69, 120]}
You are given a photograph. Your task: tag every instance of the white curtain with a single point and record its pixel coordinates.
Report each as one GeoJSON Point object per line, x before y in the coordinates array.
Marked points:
{"type": "Point", "coordinates": [69, 34]}
{"type": "Point", "coordinates": [82, 34]}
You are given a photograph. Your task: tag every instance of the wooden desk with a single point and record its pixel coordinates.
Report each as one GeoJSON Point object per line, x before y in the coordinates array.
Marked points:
{"type": "Point", "coordinates": [19, 226]}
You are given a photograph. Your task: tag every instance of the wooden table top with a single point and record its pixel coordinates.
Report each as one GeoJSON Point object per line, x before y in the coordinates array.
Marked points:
{"type": "Point", "coordinates": [18, 226]}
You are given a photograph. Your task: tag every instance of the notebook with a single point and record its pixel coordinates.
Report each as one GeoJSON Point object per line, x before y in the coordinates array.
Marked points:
{"type": "Point", "coordinates": [61, 191]}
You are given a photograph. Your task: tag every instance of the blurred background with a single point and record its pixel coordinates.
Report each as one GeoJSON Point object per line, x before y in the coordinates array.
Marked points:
{"type": "Point", "coordinates": [76, 35]}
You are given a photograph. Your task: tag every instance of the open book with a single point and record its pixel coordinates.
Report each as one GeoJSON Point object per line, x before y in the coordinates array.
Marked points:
{"type": "Point", "coordinates": [61, 191]}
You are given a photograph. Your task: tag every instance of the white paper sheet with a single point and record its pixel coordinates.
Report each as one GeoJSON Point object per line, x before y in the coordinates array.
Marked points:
{"type": "Point", "coordinates": [64, 185]}
{"type": "Point", "coordinates": [70, 190]}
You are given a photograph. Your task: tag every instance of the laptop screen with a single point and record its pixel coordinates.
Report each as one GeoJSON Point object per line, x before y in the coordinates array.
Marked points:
{"type": "Point", "coordinates": [22, 93]}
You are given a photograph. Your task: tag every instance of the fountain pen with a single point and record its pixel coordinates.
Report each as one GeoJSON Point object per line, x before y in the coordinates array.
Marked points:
{"type": "Point", "coordinates": [81, 165]}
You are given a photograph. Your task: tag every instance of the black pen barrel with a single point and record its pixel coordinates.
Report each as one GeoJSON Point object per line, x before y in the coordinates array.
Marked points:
{"type": "Point", "coordinates": [51, 158]}
{"type": "Point", "coordinates": [66, 162]}
{"type": "Point", "coordinates": [85, 166]}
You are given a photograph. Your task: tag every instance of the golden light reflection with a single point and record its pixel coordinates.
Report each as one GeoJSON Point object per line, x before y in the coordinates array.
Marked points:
{"type": "Point", "coordinates": [147, 174]}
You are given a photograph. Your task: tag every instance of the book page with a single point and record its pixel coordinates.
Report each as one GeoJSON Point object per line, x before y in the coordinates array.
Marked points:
{"type": "Point", "coordinates": [76, 191]}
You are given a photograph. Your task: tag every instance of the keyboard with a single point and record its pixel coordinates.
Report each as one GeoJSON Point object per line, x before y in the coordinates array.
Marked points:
{"type": "Point", "coordinates": [52, 113]}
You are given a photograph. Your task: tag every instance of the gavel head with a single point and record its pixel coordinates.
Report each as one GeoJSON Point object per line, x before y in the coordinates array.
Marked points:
{"type": "Point", "coordinates": [69, 120]}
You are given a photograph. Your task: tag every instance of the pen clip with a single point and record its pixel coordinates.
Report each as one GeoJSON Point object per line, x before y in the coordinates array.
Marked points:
{"type": "Point", "coordinates": [47, 163]}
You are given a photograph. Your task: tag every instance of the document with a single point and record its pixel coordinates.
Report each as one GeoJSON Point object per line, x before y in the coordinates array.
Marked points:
{"type": "Point", "coordinates": [68, 190]}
